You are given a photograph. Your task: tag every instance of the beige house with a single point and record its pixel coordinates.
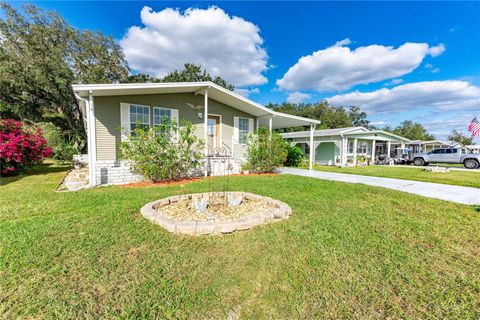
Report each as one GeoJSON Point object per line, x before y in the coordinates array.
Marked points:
{"type": "Point", "coordinates": [221, 117]}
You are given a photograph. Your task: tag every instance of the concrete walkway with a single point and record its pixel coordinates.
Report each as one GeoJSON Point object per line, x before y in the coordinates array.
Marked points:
{"type": "Point", "coordinates": [459, 194]}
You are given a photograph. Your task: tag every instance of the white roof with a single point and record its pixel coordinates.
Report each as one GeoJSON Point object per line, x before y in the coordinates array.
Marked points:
{"type": "Point", "coordinates": [215, 92]}
{"type": "Point", "coordinates": [341, 131]}
{"type": "Point", "coordinates": [325, 132]}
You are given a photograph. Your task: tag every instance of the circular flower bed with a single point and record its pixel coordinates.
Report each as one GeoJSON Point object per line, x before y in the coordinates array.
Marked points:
{"type": "Point", "coordinates": [214, 213]}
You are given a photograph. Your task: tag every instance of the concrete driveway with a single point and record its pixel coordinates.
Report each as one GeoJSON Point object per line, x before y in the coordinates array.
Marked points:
{"type": "Point", "coordinates": [458, 194]}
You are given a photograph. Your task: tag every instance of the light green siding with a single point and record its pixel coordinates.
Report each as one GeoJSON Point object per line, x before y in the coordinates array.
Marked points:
{"type": "Point", "coordinates": [107, 114]}
{"type": "Point", "coordinates": [325, 152]}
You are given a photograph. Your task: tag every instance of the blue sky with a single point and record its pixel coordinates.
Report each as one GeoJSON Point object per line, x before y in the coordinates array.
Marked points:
{"type": "Point", "coordinates": [398, 61]}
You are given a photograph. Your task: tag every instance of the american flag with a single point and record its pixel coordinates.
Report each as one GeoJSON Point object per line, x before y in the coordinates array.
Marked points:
{"type": "Point", "coordinates": [474, 127]}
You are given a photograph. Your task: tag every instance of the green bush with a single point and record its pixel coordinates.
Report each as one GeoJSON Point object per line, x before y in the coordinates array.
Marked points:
{"type": "Point", "coordinates": [62, 150]}
{"type": "Point", "coordinates": [295, 156]}
{"type": "Point", "coordinates": [165, 152]}
{"type": "Point", "coordinates": [265, 153]}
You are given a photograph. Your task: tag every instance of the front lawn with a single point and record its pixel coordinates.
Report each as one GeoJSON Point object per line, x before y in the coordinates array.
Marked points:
{"type": "Point", "coordinates": [454, 177]}
{"type": "Point", "coordinates": [348, 251]}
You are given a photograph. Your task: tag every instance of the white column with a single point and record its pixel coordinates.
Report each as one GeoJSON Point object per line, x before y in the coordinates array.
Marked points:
{"type": "Point", "coordinates": [373, 151]}
{"type": "Point", "coordinates": [388, 148]}
{"type": "Point", "coordinates": [355, 151]}
{"type": "Point", "coordinates": [270, 126]}
{"type": "Point", "coordinates": [312, 147]}
{"type": "Point", "coordinates": [92, 152]}
{"type": "Point", "coordinates": [258, 123]}
{"type": "Point", "coordinates": [402, 145]}
{"type": "Point", "coordinates": [343, 156]}
{"type": "Point", "coordinates": [205, 130]}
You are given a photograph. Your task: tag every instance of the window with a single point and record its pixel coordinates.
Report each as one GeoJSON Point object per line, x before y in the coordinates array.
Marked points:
{"type": "Point", "coordinates": [162, 116]}
{"type": "Point", "coordinates": [450, 151]}
{"type": "Point", "coordinates": [243, 129]}
{"type": "Point", "coordinates": [362, 147]}
{"type": "Point", "coordinates": [139, 117]}
{"type": "Point", "coordinates": [350, 146]}
{"type": "Point", "coordinates": [438, 151]}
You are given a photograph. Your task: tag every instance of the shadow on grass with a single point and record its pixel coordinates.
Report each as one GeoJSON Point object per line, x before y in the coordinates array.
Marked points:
{"type": "Point", "coordinates": [43, 168]}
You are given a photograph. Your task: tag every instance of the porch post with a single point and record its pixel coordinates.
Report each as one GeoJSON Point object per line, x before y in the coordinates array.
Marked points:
{"type": "Point", "coordinates": [270, 125]}
{"type": "Point", "coordinates": [355, 152]}
{"type": "Point", "coordinates": [402, 145]}
{"type": "Point", "coordinates": [205, 130]}
{"type": "Point", "coordinates": [373, 150]}
{"type": "Point", "coordinates": [312, 147]}
{"type": "Point", "coordinates": [258, 123]}
{"type": "Point", "coordinates": [92, 154]}
{"type": "Point", "coordinates": [343, 155]}
{"type": "Point", "coordinates": [388, 148]}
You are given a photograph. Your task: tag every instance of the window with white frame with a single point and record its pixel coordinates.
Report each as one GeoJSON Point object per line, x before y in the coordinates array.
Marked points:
{"type": "Point", "coordinates": [350, 146]}
{"type": "Point", "coordinates": [162, 116]}
{"type": "Point", "coordinates": [243, 129]}
{"type": "Point", "coordinates": [139, 117]}
{"type": "Point", "coordinates": [362, 147]}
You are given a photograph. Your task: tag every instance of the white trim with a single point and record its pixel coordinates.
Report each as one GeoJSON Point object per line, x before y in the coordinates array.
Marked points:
{"type": "Point", "coordinates": [92, 147]}
{"type": "Point", "coordinates": [205, 129]}
{"type": "Point", "coordinates": [124, 121]}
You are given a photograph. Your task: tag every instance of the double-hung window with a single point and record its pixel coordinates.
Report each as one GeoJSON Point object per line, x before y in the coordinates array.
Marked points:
{"type": "Point", "coordinates": [162, 116]}
{"type": "Point", "coordinates": [139, 117]}
{"type": "Point", "coordinates": [243, 129]}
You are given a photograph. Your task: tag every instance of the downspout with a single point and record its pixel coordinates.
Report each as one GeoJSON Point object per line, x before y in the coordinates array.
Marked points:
{"type": "Point", "coordinates": [91, 168]}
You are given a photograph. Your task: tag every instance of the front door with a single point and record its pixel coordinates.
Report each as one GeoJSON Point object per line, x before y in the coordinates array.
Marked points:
{"type": "Point", "coordinates": [213, 132]}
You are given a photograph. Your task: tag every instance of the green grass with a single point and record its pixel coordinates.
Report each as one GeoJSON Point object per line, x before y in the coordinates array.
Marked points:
{"type": "Point", "coordinates": [454, 177]}
{"type": "Point", "coordinates": [348, 251]}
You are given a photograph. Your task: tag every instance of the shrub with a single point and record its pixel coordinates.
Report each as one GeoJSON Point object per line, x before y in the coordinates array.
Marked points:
{"type": "Point", "coordinates": [295, 156]}
{"type": "Point", "coordinates": [165, 152]}
{"type": "Point", "coordinates": [265, 153]}
{"type": "Point", "coordinates": [21, 146]}
{"type": "Point", "coordinates": [62, 150]}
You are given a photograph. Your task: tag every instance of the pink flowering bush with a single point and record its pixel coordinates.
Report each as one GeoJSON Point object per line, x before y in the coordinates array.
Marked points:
{"type": "Point", "coordinates": [21, 146]}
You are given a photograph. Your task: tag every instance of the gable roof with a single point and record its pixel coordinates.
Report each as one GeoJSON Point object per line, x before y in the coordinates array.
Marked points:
{"type": "Point", "coordinates": [215, 92]}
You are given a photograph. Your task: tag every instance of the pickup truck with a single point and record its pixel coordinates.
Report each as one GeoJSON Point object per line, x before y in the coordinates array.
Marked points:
{"type": "Point", "coordinates": [447, 155]}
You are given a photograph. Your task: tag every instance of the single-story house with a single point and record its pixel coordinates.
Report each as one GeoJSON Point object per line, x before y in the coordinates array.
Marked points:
{"type": "Point", "coordinates": [342, 145]}
{"type": "Point", "coordinates": [427, 146]}
{"type": "Point", "coordinates": [220, 117]}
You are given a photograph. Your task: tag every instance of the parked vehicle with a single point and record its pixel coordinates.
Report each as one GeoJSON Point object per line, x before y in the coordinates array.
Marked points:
{"type": "Point", "coordinates": [402, 156]}
{"type": "Point", "coordinates": [447, 155]}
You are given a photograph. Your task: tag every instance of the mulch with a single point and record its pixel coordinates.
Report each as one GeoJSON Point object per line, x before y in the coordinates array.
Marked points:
{"type": "Point", "coordinates": [146, 184]}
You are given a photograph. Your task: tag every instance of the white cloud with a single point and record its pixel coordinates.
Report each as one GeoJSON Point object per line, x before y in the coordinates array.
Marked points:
{"type": "Point", "coordinates": [225, 45]}
{"type": "Point", "coordinates": [437, 50]}
{"type": "Point", "coordinates": [246, 92]}
{"type": "Point", "coordinates": [448, 95]}
{"type": "Point", "coordinates": [298, 97]}
{"type": "Point", "coordinates": [431, 68]}
{"type": "Point", "coordinates": [394, 82]}
{"type": "Point", "coordinates": [339, 68]}
{"type": "Point", "coordinates": [341, 43]}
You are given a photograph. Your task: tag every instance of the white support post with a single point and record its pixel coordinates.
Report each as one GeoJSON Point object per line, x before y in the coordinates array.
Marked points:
{"type": "Point", "coordinates": [373, 151]}
{"type": "Point", "coordinates": [92, 152]}
{"type": "Point", "coordinates": [343, 155]}
{"type": "Point", "coordinates": [270, 126]}
{"type": "Point", "coordinates": [355, 152]}
{"type": "Point", "coordinates": [312, 147]}
{"type": "Point", "coordinates": [205, 130]}
{"type": "Point", "coordinates": [258, 124]}
{"type": "Point", "coordinates": [389, 144]}
{"type": "Point", "coordinates": [402, 145]}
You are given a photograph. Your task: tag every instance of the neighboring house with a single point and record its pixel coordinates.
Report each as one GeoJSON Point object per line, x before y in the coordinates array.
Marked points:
{"type": "Point", "coordinates": [473, 148]}
{"type": "Point", "coordinates": [220, 117]}
{"type": "Point", "coordinates": [418, 146]}
{"type": "Point", "coordinates": [342, 145]}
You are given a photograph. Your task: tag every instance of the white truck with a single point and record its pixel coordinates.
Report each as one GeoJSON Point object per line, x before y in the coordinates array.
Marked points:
{"type": "Point", "coordinates": [447, 155]}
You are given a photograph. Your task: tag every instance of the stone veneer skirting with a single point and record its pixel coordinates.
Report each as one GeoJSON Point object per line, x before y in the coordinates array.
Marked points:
{"type": "Point", "coordinates": [279, 212]}
{"type": "Point", "coordinates": [118, 172]}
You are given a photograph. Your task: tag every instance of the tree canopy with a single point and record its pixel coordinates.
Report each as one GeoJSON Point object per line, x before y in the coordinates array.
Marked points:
{"type": "Point", "coordinates": [459, 137]}
{"type": "Point", "coordinates": [190, 73]}
{"type": "Point", "coordinates": [411, 130]}
{"type": "Point", "coordinates": [330, 116]}
{"type": "Point", "coordinates": [41, 56]}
